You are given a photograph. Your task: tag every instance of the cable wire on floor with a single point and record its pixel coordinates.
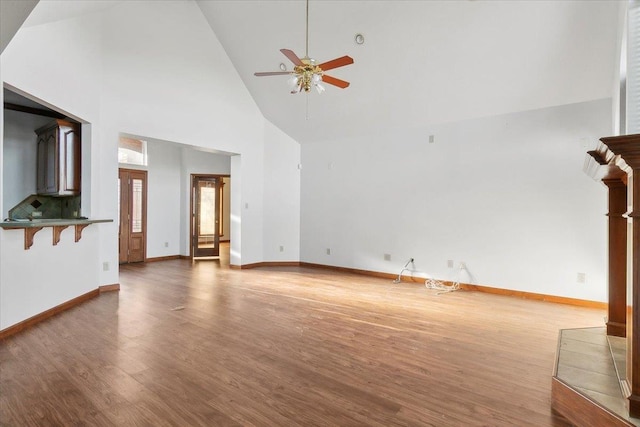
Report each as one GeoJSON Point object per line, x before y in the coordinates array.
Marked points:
{"type": "Point", "coordinates": [441, 287]}
{"type": "Point", "coordinates": [399, 279]}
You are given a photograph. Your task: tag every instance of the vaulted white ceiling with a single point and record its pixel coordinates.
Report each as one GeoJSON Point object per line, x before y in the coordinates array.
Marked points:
{"type": "Point", "coordinates": [423, 62]}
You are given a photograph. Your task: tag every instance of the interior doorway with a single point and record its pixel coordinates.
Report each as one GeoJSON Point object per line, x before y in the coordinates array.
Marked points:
{"type": "Point", "coordinates": [132, 215]}
{"type": "Point", "coordinates": [207, 198]}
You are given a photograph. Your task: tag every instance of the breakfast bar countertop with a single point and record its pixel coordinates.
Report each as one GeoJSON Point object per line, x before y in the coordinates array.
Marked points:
{"type": "Point", "coordinates": [31, 227]}
{"type": "Point", "coordinates": [38, 222]}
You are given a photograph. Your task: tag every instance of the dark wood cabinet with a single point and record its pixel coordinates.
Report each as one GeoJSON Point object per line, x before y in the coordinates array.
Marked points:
{"type": "Point", "coordinates": [58, 168]}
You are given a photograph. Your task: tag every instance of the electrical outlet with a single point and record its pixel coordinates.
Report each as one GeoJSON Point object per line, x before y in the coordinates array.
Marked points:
{"type": "Point", "coordinates": [432, 139]}
{"type": "Point", "coordinates": [387, 257]}
{"type": "Point", "coordinates": [281, 248]}
{"type": "Point", "coordinates": [105, 266]}
{"type": "Point", "coordinates": [328, 251]}
{"type": "Point", "coordinates": [166, 244]}
{"type": "Point", "coordinates": [581, 278]}
{"type": "Point", "coordinates": [450, 263]}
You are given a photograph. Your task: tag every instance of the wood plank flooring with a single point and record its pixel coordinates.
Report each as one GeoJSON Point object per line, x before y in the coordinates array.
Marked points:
{"type": "Point", "coordinates": [187, 344]}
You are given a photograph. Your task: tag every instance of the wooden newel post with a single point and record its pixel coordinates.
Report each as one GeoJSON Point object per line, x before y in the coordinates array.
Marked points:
{"type": "Point", "coordinates": [626, 150]}
{"type": "Point", "coordinates": [617, 309]}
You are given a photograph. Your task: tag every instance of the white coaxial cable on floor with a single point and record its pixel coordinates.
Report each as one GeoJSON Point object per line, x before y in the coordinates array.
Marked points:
{"type": "Point", "coordinates": [441, 287]}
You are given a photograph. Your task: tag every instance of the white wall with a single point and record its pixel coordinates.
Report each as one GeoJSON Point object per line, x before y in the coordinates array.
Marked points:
{"type": "Point", "coordinates": [619, 61]}
{"type": "Point", "coordinates": [167, 77]}
{"type": "Point", "coordinates": [20, 149]}
{"type": "Point", "coordinates": [139, 68]}
{"type": "Point", "coordinates": [282, 176]}
{"type": "Point", "coordinates": [163, 199]}
{"type": "Point", "coordinates": [1, 186]}
{"type": "Point", "coordinates": [37, 279]}
{"type": "Point", "coordinates": [504, 194]}
{"type": "Point", "coordinates": [633, 65]}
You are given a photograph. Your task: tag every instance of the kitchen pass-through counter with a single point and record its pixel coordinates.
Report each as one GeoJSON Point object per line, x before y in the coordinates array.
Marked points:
{"type": "Point", "coordinates": [31, 227]}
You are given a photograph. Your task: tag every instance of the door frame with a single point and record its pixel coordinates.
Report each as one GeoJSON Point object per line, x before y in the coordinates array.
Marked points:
{"type": "Point", "coordinates": [144, 211]}
{"type": "Point", "coordinates": [191, 212]}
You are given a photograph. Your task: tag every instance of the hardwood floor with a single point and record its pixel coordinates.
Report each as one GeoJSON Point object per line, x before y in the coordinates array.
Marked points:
{"type": "Point", "coordinates": [202, 344]}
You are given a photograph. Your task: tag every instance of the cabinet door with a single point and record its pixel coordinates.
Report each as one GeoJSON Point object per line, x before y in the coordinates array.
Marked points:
{"type": "Point", "coordinates": [58, 159]}
{"type": "Point", "coordinates": [70, 155]}
{"type": "Point", "coordinates": [41, 177]}
{"type": "Point", "coordinates": [51, 167]}
{"type": "Point", "coordinates": [47, 167]}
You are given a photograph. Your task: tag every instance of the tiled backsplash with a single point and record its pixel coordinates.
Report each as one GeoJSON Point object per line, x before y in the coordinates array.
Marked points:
{"type": "Point", "coordinates": [49, 207]}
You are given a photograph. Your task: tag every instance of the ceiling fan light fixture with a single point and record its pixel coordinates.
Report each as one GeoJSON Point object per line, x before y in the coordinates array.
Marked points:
{"type": "Point", "coordinates": [293, 82]}
{"type": "Point", "coordinates": [319, 87]}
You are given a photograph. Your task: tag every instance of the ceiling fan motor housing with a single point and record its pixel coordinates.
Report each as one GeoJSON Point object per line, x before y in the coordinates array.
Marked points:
{"type": "Point", "coordinates": [305, 73]}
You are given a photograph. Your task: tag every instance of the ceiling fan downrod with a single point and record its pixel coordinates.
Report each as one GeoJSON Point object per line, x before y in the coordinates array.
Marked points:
{"type": "Point", "coordinates": [306, 51]}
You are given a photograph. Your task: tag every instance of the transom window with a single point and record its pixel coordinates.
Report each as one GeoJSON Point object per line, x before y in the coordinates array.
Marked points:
{"type": "Point", "coordinates": [132, 151]}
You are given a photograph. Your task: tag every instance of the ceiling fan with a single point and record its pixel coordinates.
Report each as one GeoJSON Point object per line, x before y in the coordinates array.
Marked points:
{"type": "Point", "coordinates": [306, 73]}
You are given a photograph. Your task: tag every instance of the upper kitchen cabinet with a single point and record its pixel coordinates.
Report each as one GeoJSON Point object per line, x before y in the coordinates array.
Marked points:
{"type": "Point", "coordinates": [58, 159]}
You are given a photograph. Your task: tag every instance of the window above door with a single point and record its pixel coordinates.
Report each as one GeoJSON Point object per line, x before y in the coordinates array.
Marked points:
{"type": "Point", "coordinates": [132, 151]}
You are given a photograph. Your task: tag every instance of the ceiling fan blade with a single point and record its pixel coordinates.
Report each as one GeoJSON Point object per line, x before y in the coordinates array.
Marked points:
{"type": "Point", "coordinates": [272, 73]}
{"type": "Point", "coordinates": [292, 56]}
{"type": "Point", "coordinates": [335, 63]}
{"type": "Point", "coordinates": [336, 82]}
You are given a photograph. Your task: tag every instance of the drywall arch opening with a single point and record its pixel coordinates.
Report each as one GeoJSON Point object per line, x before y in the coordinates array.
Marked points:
{"type": "Point", "coordinates": [170, 166]}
